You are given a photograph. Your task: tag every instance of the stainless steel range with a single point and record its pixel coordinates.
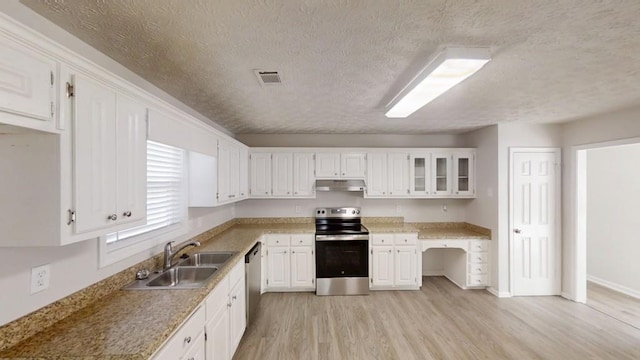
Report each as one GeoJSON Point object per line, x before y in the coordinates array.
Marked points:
{"type": "Point", "coordinates": [342, 252]}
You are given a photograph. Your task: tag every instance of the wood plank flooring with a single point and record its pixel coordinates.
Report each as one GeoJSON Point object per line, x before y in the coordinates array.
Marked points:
{"type": "Point", "coordinates": [439, 322]}
{"type": "Point", "coordinates": [615, 304]}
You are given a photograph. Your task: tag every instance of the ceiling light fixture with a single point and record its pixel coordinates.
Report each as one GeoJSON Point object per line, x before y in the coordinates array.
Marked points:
{"type": "Point", "coordinates": [447, 69]}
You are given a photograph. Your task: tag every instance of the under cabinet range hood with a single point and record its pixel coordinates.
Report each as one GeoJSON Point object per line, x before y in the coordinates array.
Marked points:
{"type": "Point", "coordinates": [340, 185]}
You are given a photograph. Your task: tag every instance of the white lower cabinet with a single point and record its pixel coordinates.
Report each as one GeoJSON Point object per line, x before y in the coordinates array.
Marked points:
{"type": "Point", "coordinates": [290, 262]}
{"type": "Point", "coordinates": [395, 262]}
{"type": "Point", "coordinates": [187, 341]}
{"type": "Point", "coordinates": [478, 264]}
{"type": "Point", "coordinates": [226, 317]}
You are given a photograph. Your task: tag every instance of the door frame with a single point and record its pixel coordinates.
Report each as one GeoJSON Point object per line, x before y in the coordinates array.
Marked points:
{"type": "Point", "coordinates": [558, 216]}
{"type": "Point", "coordinates": [578, 209]}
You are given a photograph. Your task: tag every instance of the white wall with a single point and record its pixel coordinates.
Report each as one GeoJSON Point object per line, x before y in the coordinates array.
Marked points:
{"type": "Point", "coordinates": [582, 134]}
{"type": "Point", "coordinates": [483, 211]}
{"type": "Point", "coordinates": [349, 140]}
{"type": "Point", "coordinates": [613, 216]}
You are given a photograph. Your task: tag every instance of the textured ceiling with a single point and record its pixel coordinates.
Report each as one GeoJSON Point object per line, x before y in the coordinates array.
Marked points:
{"type": "Point", "coordinates": [341, 60]}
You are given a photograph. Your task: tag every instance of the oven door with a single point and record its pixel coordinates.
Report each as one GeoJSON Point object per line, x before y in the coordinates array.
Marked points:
{"type": "Point", "coordinates": [340, 258]}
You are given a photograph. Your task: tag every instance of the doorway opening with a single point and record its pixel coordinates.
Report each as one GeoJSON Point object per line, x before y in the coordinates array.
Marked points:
{"type": "Point", "coordinates": [607, 205]}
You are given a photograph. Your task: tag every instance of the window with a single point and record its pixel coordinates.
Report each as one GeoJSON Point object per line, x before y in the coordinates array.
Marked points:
{"type": "Point", "coordinates": [166, 206]}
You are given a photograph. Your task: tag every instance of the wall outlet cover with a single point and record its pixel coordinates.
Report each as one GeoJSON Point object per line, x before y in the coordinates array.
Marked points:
{"type": "Point", "coordinates": [40, 277]}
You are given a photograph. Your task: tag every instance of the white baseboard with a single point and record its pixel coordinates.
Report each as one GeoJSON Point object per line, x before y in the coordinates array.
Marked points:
{"type": "Point", "coordinates": [433, 273]}
{"type": "Point", "coordinates": [501, 294]}
{"type": "Point", "coordinates": [615, 287]}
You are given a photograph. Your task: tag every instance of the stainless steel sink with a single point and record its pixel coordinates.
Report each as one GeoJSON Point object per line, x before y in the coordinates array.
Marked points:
{"type": "Point", "coordinates": [212, 258]}
{"type": "Point", "coordinates": [184, 277]}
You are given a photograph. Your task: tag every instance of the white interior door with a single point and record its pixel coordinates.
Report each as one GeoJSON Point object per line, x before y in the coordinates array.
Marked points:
{"type": "Point", "coordinates": [535, 242]}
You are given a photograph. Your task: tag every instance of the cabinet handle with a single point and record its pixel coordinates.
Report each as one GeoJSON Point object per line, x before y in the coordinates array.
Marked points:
{"type": "Point", "coordinates": [192, 358]}
{"type": "Point", "coordinates": [234, 297]}
{"type": "Point", "coordinates": [405, 240]}
{"type": "Point", "coordinates": [228, 304]}
{"type": "Point", "coordinates": [295, 193]}
{"type": "Point", "coordinates": [266, 193]}
{"type": "Point", "coordinates": [285, 251]}
{"type": "Point", "coordinates": [336, 174]}
{"type": "Point", "coordinates": [398, 251]}
{"type": "Point", "coordinates": [293, 252]}
{"type": "Point", "coordinates": [126, 214]}
{"type": "Point", "coordinates": [112, 217]}
{"type": "Point", "coordinates": [389, 251]}
{"type": "Point", "coordinates": [288, 193]}
{"type": "Point", "coordinates": [382, 241]}
{"type": "Point", "coordinates": [342, 174]}
{"type": "Point", "coordinates": [187, 339]}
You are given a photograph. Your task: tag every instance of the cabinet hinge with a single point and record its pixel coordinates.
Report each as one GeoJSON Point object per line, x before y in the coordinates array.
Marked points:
{"type": "Point", "coordinates": [407, 157]}
{"type": "Point", "coordinates": [217, 196]}
{"type": "Point", "coordinates": [249, 156]}
{"type": "Point", "coordinates": [52, 79]}
{"type": "Point", "coordinates": [371, 251]}
{"type": "Point", "coordinates": [72, 217]}
{"type": "Point", "coordinates": [205, 336]}
{"type": "Point", "coordinates": [371, 280]}
{"type": "Point", "coordinates": [312, 281]}
{"type": "Point", "coordinates": [267, 281]}
{"type": "Point", "coordinates": [70, 92]}
{"type": "Point", "coordinates": [52, 109]}
{"type": "Point", "coordinates": [314, 156]}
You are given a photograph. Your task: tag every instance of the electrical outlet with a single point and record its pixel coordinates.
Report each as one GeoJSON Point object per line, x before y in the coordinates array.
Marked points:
{"type": "Point", "coordinates": [298, 209]}
{"type": "Point", "coordinates": [398, 209]}
{"type": "Point", "coordinates": [444, 207]}
{"type": "Point", "coordinates": [40, 277]}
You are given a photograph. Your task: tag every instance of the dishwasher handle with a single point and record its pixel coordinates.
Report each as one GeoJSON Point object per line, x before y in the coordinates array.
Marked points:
{"type": "Point", "coordinates": [255, 251]}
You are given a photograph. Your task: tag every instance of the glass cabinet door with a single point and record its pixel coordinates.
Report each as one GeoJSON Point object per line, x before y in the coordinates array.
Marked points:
{"type": "Point", "coordinates": [463, 174]}
{"type": "Point", "coordinates": [441, 174]}
{"type": "Point", "coordinates": [419, 174]}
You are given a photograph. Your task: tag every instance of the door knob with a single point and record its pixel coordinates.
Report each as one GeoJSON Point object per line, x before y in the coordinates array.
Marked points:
{"type": "Point", "coordinates": [517, 231]}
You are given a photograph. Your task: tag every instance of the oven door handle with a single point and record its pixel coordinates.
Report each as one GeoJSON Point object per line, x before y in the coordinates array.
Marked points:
{"type": "Point", "coordinates": [341, 237]}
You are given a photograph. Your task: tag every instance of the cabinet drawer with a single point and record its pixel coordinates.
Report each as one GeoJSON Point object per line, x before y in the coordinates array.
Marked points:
{"type": "Point", "coordinates": [182, 340]}
{"type": "Point", "coordinates": [278, 240]}
{"type": "Point", "coordinates": [478, 269]}
{"type": "Point", "coordinates": [197, 350]}
{"type": "Point", "coordinates": [302, 240]}
{"type": "Point", "coordinates": [217, 298]}
{"type": "Point", "coordinates": [478, 246]}
{"type": "Point", "coordinates": [478, 257]}
{"type": "Point", "coordinates": [478, 280]}
{"type": "Point", "coordinates": [406, 239]}
{"type": "Point", "coordinates": [382, 239]}
{"type": "Point", "coordinates": [236, 274]}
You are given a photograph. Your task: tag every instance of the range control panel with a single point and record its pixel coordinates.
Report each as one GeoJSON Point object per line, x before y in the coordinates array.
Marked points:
{"type": "Point", "coordinates": [338, 212]}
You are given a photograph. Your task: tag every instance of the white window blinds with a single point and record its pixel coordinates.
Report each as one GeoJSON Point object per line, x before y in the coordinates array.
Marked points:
{"type": "Point", "coordinates": [165, 195]}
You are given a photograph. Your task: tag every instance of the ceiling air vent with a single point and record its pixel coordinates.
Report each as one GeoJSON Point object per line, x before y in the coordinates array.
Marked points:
{"type": "Point", "coordinates": [268, 77]}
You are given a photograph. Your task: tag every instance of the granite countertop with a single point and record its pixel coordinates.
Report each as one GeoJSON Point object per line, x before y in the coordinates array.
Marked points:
{"type": "Point", "coordinates": [432, 231]}
{"type": "Point", "coordinates": [133, 324]}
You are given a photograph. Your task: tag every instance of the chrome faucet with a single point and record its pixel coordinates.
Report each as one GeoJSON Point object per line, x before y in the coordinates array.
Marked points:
{"type": "Point", "coordinates": [169, 253]}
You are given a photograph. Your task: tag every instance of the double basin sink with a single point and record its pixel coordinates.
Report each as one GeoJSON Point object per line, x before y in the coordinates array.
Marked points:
{"type": "Point", "coordinates": [192, 272]}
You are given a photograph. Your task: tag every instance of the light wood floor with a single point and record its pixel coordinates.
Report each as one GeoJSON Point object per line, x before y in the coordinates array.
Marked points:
{"type": "Point", "coordinates": [439, 322]}
{"type": "Point", "coordinates": [615, 304]}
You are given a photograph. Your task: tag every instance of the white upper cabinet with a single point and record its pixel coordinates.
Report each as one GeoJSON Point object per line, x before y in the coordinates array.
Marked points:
{"type": "Point", "coordinates": [109, 162]}
{"type": "Point", "coordinates": [244, 173]}
{"type": "Point", "coordinates": [398, 172]}
{"type": "Point", "coordinates": [303, 175]}
{"type": "Point", "coordinates": [234, 173]}
{"type": "Point", "coordinates": [224, 171]}
{"type": "Point", "coordinates": [353, 165]}
{"type": "Point", "coordinates": [282, 174]}
{"type": "Point", "coordinates": [260, 175]}
{"type": "Point", "coordinates": [420, 174]}
{"type": "Point", "coordinates": [328, 165]}
{"type": "Point", "coordinates": [441, 173]}
{"type": "Point", "coordinates": [203, 180]}
{"type": "Point", "coordinates": [464, 173]}
{"type": "Point", "coordinates": [27, 87]}
{"type": "Point", "coordinates": [336, 165]}
{"type": "Point", "coordinates": [377, 174]}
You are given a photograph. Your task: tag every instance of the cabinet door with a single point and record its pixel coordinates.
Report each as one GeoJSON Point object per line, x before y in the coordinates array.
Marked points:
{"type": "Point", "coordinates": [234, 173]}
{"type": "Point", "coordinates": [94, 155]}
{"type": "Point", "coordinates": [353, 165]}
{"type": "Point", "coordinates": [282, 174]}
{"type": "Point", "coordinates": [441, 174]}
{"type": "Point", "coordinates": [260, 175]}
{"type": "Point", "coordinates": [278, 270]}
{"type": "Point", "coordinates": [131, 135]}
{"type": "Point", "coordinates": [463, 174]}
{"type": "Point", "coordinates": [327, 165]}
{"type": "Point", "coordinates": [398, 174]}
{"type": "Point", "coordinates": [237, 314]}
{"type": "Point", "coordinates": [224, 171]}
{"type": "Point", "coordinates": [197, 351]}
{"type": "Point", "coordinates": [377, 174]}
{"type": "Point", "coordinates": [420, 174]}
{"type": "Point", "coordinates": [26, 84]}
{"type": "Point", "coordinates": [218, 339]}
{"type": "Point", "coordinates": [302, 265]}
{"type": "Point", "coordinates": [405, 266]}
{"type": "Point", "coordinates": [244, 173]}
{"type": "Point", "coordinates": [382, 269]}
{"type": "Point", "coordinates": [303, 174]}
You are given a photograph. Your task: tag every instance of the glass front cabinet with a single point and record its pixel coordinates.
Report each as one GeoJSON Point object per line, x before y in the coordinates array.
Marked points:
{"type": "Point", "coordinates": [463, 174]}
{"type": "Point", "coordinates": [420, 174]}
{"type": "Point", "coordinates": [442, 174]}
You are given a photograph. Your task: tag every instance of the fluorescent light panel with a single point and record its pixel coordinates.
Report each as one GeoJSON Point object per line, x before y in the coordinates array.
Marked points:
{"type": "Point", "coordinates": [446, 70]}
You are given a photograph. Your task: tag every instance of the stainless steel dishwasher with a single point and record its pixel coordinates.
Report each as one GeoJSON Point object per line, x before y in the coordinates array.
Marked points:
{"type": "Point", "coordinates": [253, 273]}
